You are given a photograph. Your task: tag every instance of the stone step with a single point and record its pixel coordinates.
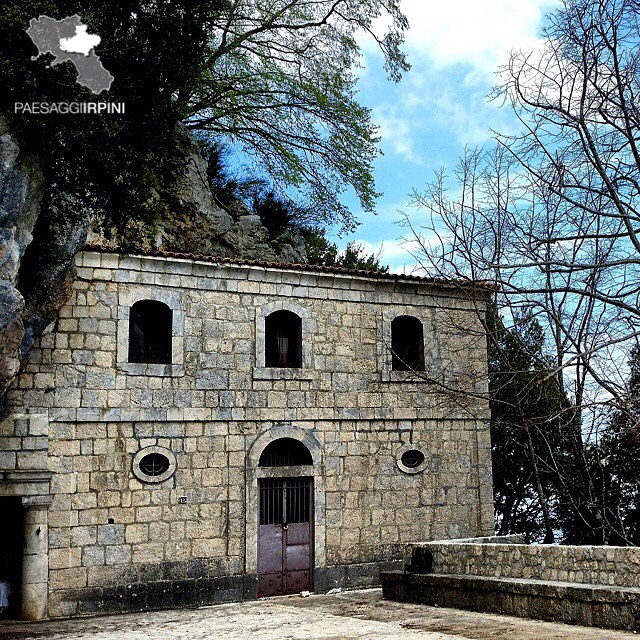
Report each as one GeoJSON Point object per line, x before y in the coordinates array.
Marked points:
{"type": "Point", "coordinates": [606, 606]}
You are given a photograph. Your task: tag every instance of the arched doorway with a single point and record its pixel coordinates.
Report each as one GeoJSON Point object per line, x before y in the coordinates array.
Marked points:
{"type": "Point", "coordinates": [285, 518]}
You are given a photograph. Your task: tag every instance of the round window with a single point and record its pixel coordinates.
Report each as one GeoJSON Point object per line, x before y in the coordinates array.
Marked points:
{"type": "Point", "coordinates": [154, 464]}
{"type": "Point", "coordinates": [412, 458]}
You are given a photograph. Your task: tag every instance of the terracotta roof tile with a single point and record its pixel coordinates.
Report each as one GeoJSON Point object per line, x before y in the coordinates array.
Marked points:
{"type": "Point", "coordinates": [292, 266]}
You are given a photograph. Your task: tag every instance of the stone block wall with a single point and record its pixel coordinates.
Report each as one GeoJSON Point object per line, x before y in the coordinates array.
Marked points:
{"type": "Point", "coordinates": [116, 543]}
{"type": "Point", "coordinates": [371, 509]}
{"type": "Point", "coordinates": [595, 565]}
{"type": "Point", "coordinates": [24, 445]}
{"type": "Point", "coordinates": [109, 530]}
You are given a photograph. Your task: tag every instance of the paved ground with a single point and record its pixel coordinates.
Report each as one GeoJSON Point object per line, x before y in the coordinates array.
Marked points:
{"type": "Point", "coordinates": [354, 615]}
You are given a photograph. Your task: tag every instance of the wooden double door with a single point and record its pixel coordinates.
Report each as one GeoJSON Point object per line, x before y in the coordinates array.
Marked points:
{"type": "Point", "coordinates": [285, 534]}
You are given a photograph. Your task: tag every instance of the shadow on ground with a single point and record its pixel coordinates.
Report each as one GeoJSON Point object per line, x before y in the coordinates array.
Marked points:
{"type": "Point", "coordinates": [351, 615]}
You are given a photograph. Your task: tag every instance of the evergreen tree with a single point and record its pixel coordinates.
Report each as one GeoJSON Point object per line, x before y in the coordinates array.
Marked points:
{"type": "Point", "coordinates": [322, 251]}
{"type": "Point", "coordinates": [526, 426]}
{"type": "Point", "coordinates": [619, 458]}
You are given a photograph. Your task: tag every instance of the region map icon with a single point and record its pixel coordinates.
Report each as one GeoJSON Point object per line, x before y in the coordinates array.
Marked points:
{"type": "Point", "coordinates": [68, 41]}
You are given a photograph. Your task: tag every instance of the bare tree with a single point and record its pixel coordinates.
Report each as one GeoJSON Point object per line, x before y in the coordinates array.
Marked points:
{"type": "Point", "coordinates": [552, 216]}
{"type": "Point", "coordinates": [577, 102]}
{"type": "Point", "coordinates": [494, 221]}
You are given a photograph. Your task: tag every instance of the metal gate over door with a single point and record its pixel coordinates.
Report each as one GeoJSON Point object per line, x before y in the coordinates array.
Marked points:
{"type": "Point", "coordinates": [284, 535]}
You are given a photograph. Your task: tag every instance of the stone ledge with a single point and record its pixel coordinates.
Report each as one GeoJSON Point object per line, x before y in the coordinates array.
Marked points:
{"type": "Point", "coordinates": [25, 476]}
{"type": "Point", "coordinates": [544, 588]}
{"type": "Point", "coordinates": [415, 377]}
{"type": "Point", "coordinates": [30, 484]}
{"type": "Point", "coordinates": [146, 369]}
{"type": "Point", "coordinates": [570, 602]}
{"type": "Point", "coordinates": [495, 558]}
{"type": "Point", "coordinates": [281, 373]}
{"type": "Point", "coordinates": [513, 538]}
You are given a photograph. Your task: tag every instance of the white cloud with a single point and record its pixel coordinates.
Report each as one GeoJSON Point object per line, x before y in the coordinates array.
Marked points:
{"type": "Point", "coordinates": [398, 254]}
{"type": "Point", "coordinates": [469, 115]}
{"type": "Point", "coordinates": [475, 32]}
{"type": "Point", "coordinates": [396, 131]}
{"type": "Point", "coordinates": [430, 103]}
{"type": "Point", "coordinates": [401, 255]}
{"type": "Point", "coordinates": [455, 48]}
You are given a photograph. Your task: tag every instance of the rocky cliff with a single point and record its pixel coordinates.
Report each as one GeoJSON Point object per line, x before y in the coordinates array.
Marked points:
{"type": "Point", "coordinates": [192, 221]}
{"type": "Point", "coordinates": [37, 247]}
{"type": "Point", "coordinates": [21, 184]}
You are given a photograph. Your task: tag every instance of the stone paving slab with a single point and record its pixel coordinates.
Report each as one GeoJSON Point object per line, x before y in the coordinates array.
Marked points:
{"type": "Point", "coordinates": [352, 615]}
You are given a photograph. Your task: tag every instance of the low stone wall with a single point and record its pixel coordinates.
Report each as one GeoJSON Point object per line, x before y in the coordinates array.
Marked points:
{"type": "Point", "coordinates": [571, 603]}
{"type": "Point", "coordinates": [599, 565]}
{"type": "Point", "coordinates": [588, 585]}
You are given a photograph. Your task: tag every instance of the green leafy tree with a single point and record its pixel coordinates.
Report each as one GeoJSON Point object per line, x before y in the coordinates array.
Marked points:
{"type": "Point", "coordinates": [319, 249]}
{"type": "Point", "coordinates": [277, 79]}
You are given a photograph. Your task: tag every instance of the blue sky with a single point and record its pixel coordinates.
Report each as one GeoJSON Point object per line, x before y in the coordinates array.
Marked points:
{"type": "Point", "coordinates": [440, 106]}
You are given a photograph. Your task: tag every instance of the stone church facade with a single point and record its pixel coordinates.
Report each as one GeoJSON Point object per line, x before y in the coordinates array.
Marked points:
{"type": "Point", "coordinates": [195, 430]}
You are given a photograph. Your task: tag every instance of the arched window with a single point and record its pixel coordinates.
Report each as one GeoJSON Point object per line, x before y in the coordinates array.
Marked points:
{"type": "Point", "coordinates": [285, 452]}
{"type": "Point", "coordinates": [407, 344]}
{"type": "Point", "coordinates": [150, 332]}
{"type": "Point", "coordinates": [283, 340]}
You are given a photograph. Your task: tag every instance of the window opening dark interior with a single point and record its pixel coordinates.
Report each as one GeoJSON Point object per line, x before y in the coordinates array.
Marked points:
{"type": "Point", "coordinates": [285, 452]}
{"type": "Point", "coordinates": [154, 464]}
{"type": "Point", "coordinates": [283, 340]}
{"type": "Point", "coordinates": [412, 458]}
{"type": "Point", "coordinates": [11, 552]}
{"type": "Point", "coordinates": [407, 344]}
{"type": "Point", "coordinates": [150, 332]}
